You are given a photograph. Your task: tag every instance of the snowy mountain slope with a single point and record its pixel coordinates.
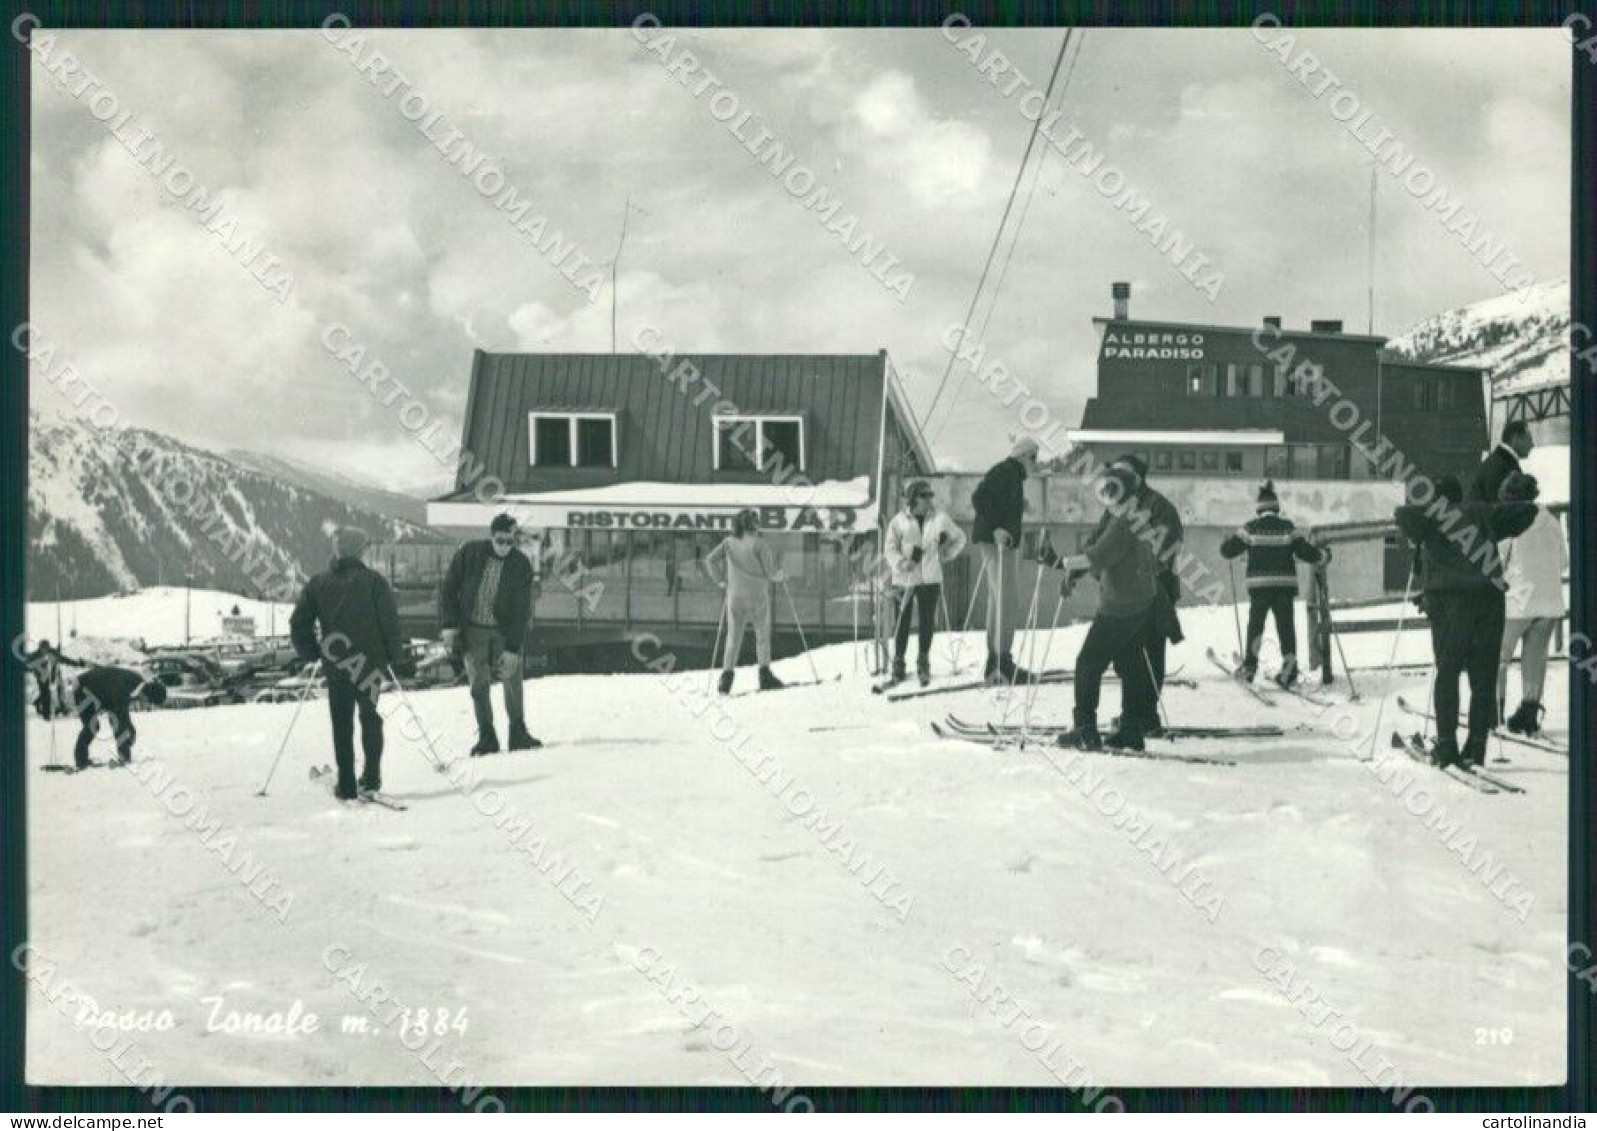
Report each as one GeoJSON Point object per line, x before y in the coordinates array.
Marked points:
{"type": "Point", "coordinates": [721, 870]}
{"type": "Point", "coordinates": [99, 522]}
{"type": "Point", "coordinates": [1522, 341]}
{"type": "Point", "coordinates": [366, 496]}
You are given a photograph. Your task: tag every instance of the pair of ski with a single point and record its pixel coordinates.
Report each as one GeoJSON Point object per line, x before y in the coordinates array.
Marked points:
{"type": "Point", "coordinates": [1479, 780]}
{"type": "Point", "coordinates": [1055, 675]}
{"type": "Point", "coordinates": [1234, 670]}
{"type": "Point", "coordinates": [1543, 744]}
{"type": "Point", "coordinates": [365, 796]}
{"type": "Point", "coordinates": [998, 739]}
{"type": "Point", "coordinates": [1263, 730]}
{"type": "Point", "coordinates": [63, 768]}
{"type": "Point", "coordinates": [790, 685]}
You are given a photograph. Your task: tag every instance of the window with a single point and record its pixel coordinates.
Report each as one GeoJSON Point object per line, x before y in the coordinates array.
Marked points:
{"type": "Point", "coordinates": [1209, 461]}
{"type": "Point", "coordinates": [1188, 460]}
{"type": "Point", "coordinates": [1233, 379]}
{"type": "Point", "coordinates": [1194, 380]}
{"type": "Point", "coordinates": [1280, 380]}
{"type": "Point", "coordinates": [1233, 462]}
{"type": "Point", "coordinates": [1422, 397]}
{"type": "Point", "coordinates": [1446, 394]}
{"type": "Point", "coordinates": [1161, 461]}
{"type": "Point", "coordinates": [1255, 380]}
{"type": "Point", "coordinates": [1204, 381]}
{"type": "Point", "coordinates": [1304, 461]}
{"type": "Point", "coordinates": [1333, 461]}
{"type": "Point", "coordinates": [573, 439]}
{"type": "Point", "coordinates": [1277, 462]}
{"type": "Point", "coordinates": [759, 443]}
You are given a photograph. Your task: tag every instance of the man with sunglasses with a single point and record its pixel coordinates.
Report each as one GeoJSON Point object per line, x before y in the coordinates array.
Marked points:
{"type": "Point", "coordinates": [484, 607]}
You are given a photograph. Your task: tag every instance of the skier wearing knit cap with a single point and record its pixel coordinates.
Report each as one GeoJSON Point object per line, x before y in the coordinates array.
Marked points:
{"type": "Point", "coordinates": [1273, 547]}
{"type": "Point", "coordinates": [358, 640]}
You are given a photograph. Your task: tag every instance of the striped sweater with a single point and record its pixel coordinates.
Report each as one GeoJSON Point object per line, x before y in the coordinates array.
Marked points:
{"type": "Point", "coordinates": [1274, 547]}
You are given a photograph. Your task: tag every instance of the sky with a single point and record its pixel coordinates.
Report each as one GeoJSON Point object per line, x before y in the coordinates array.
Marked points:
{"type": "Point", "coordinates": [385, 239]}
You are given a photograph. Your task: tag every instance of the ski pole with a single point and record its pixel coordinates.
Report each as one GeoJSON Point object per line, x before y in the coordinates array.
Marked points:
{"type": "Point", "coordinates": [1352, 690]}
{"type": "Point", "coordinates": [1036, 688]}
{"type": "Point", "coordinates": [715, 651]}
{"type": "Point", "coordinates": [1158, 696]}
{"type": "Point", "coordinates": [1031, 627]}
{"type": "Point", "coordinates": [399, 689]}
{"type": "Point", "coordinates": [294, 718]}
{"type": "Point", "coordinates": [793, 605]}
{"type": "Point", "coordinates": [1391, 659]}
{"type": "Point", "coordinates": [958, 644]}
{"type": "Point", "coordinates": [1236, 613]}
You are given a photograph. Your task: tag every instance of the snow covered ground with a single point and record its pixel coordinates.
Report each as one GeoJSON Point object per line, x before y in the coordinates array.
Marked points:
{"type": "Point", "coordinates": [154, 615]}
{"type": "Point", "coordinates": [579, 909]}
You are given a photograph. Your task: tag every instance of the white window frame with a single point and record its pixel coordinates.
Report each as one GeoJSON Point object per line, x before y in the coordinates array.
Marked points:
{"type": "Point", "coordinates": [759, 419]}
{"type": "Point", "coordinates": [571, 418]}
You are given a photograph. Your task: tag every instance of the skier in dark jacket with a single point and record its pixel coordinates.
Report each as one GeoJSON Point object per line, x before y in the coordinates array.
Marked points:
{"type": "Point", "coordinates": [111, 692]}
{"type": "Point", "coordinates": [359, 641]}
{"type": "Point", "coordinates": [1503, 461]}
{"type": "Point", "coordinates": [1156, 520]}
{"type": "Point", "coordinates": [1464, 601]}
{"type": "Point", "coordinates": [484, 608]}
{"type": "Point", "coordinates": [1123, 563]}
{"type": "Point", "coordinates": [1274, 547]}
{"type": "Point", "coordinates": [1000, 505]}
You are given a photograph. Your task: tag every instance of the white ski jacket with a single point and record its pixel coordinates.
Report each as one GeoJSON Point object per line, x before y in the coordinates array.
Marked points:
{"type": "Point", "coordinates": [1533, 567]}
{"type": "Point", "coordinates": [906, 532]}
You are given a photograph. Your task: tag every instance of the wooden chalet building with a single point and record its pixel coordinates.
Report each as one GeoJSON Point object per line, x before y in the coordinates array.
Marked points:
{"type": "Point", "coordinates": [625, 470]}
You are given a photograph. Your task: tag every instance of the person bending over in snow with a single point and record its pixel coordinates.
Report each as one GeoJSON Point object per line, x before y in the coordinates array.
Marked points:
{"type": "Point", "coordinates": [745, 567]}
{"type": "Point", "coordinates": [359, 641]}
{"type": "Point", "coordinates": [1124, 565]}
{"type": "Point", "coordinates": [1274, 547]}
{"type": "Point", "coordinates": [1465, 604]}
{"type": "Point", "coordinates": [1533, 567]}
{"type": "Point", "coordinates": [919, 540]}
{"type": "Point", "coordinates": [111, 692]}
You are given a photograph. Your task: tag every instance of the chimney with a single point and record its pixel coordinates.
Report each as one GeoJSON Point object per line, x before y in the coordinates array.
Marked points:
{"type": "Point", "coordinates": [1326, 326]}
{"type": "Point", "coordinates": [1273, 321]}
{"type": "Point", "coordinates": [1121, 293]}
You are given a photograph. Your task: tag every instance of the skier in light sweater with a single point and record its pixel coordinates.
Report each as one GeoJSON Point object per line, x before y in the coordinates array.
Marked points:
{"type": "Point", "coordinates": [1533, 567]}
{"type": "Point", "coordinates": [919, 540]}
{"type": "Point", "coordinates": [745, 566]}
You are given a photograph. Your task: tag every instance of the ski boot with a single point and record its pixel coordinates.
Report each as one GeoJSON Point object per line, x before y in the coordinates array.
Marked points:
{"type": "Point", "coordinates": [725, 686]}
{"type": "Point", "coordinates": [371, 777]}
{"type": "Point", "coordinates": [768, 680]}
{"type": "Point", "coordinates": [1287, 677]}
{"type": "Point", "coordinates": [487, 743]}
{"type": "Point", "coordinates": [1473, 756]}
{"type": "Point", "coordinates": [1526, 719]}
{"type": "Point", "coordinates": [1125, 737]}
{"type": "Point", "coordinates": [1084, 736]}
{"type": "Point", "coordinates": [1012, 672]}
{"type": "Point", "coordinates": [1444, 753]}
{"type": "Point", "coordinates": [989, 672]}
{"type": "Point", "coordinates": [923, 670]}
{"type": "Point", "coordinates": [521, 740]}
{"type": "Point", "coordinates": [898, 674]}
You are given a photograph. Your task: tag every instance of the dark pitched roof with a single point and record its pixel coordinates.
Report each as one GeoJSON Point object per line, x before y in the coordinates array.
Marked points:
{"type": "Point", "coordinates": [664, 431]}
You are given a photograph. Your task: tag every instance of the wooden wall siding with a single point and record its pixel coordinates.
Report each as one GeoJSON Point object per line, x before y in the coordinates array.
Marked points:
{"type": "Point", "coordinates": [662, 435]}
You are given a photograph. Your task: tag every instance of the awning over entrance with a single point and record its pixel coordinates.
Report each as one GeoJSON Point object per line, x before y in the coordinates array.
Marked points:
{"type": "Point", "coordinates": [800, 508]}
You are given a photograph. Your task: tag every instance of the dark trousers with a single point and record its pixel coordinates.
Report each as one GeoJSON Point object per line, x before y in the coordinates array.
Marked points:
{"type": "Point", "coordinates": [924, 599]}
{"type": "Point", "coordinates": [1466, 632]}
{"type": "Point", "coordinates": [1281, 604]}
{"type": "Point", "coordinates": [121, 726]}
{"type": "Point", "coordinates": [1121, 642]}
{"type": "Point", "coordinates": [344, 699]}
